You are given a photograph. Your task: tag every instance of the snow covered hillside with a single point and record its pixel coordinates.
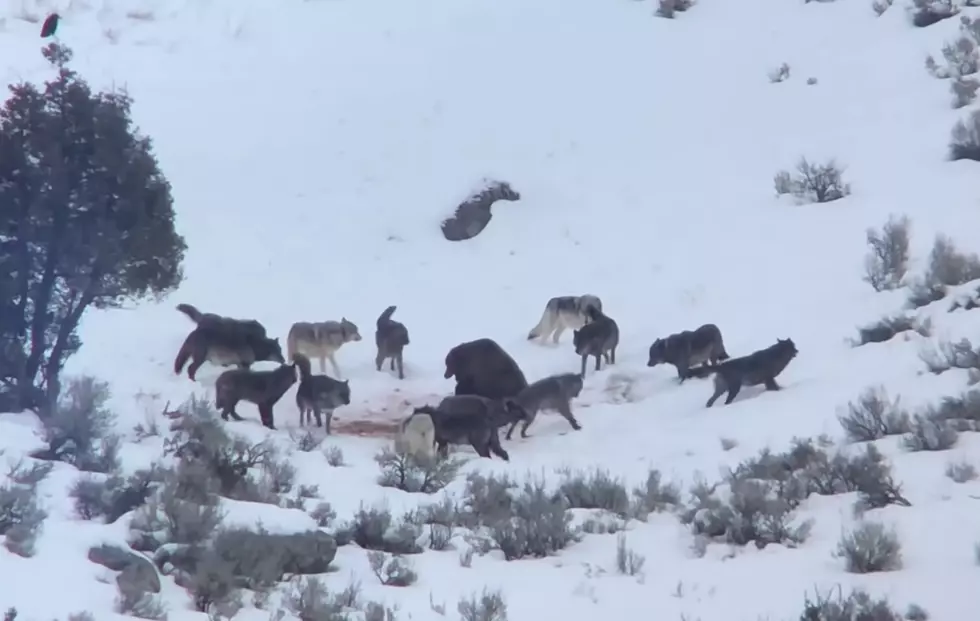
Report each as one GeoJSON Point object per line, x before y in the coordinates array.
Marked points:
{"type": "Point", "coordinates": [315, 146]}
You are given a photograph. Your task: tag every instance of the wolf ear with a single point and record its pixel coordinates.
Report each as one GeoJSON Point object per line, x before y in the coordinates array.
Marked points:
{"type": "Point", "coordinates": [346, 382]}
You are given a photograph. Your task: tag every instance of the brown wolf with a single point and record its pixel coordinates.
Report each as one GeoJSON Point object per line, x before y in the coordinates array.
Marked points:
{"type": "Point", "coordinates": [483, 368]}
{"type": "Point", "coordinates": [224, 342]}
{"type": "Point", "coordinates": [318, 394]}
{"type": "Point", "coordinates": [263, 388]}
{"type": "Point", "coordinates": [391, 337]}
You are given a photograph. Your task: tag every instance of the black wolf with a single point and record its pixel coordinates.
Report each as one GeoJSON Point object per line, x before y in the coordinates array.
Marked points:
{"type": "Point", "coordinates": [263, 388]}
{"type": "Point", "coordinates": [759, 367]}
{"type": "Point", "coordinates": [391, 337]}
{"type": "Point", "coordinates": [224, 341]}
{"type": "Point", "coordinates": [318, 394]}
{"type": "Point", "coordinates": [689, 348]}
{"type": "Point", "coordinates": [483, 368]}
{"type": "Point", "coordinates": [599, 337]}
{"type": "Point", "coordinates": [473, 420]}
{"type": "Point", "coordinates": [551, 393]}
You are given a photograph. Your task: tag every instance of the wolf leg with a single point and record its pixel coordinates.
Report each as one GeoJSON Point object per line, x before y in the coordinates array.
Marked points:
{"type": "Point", "coordinates": [513, 426]}
{"type": "Point", "coordinates": [771, 384]}
{"type": "Point", "coordinates": [401, 365]}
{"type": "Point", "coordinates": [559, 328]}
{"type": "Point", "coordinates": [494, 446]}
{"type": "Point", "coordinates": [720, 388]}
{"type": "Point", "coordinates": [323, 365]}
{"type": "Point", "coordinates": [329, 415]}
{"type": "Point", "coordinates": [598, 362]}
{"type": "Point", "coordinates": [317, 415]}
{"type": "Point", "coordinates": [379, 359]}
{"type": "Point", "coordinates": [584, 358]}
{"type": "Point", "coordinates": [612, 356]}
{"type": "Point", "coordinates": [231, 412]}
{"type": "Point", "coordinates": [196, 363]}
{"type": "Point", "coordinates": [265, 413]}
{"type": "Point", "coordinates": [333, 363]}
{"type": "Point", "coordinates": [733, 390]}
{"type": "Point", "coordinates": [565, 409]}
{"type": "Point", "coordinates": [442, 449]}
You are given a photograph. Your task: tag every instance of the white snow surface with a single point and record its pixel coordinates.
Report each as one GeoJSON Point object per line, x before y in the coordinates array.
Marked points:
{"type": "Point", "coordinates": [313, 148]}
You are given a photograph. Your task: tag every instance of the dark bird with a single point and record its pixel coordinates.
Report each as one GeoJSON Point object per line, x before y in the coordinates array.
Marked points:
{"type": "Point", "coordinates": [50, 26]}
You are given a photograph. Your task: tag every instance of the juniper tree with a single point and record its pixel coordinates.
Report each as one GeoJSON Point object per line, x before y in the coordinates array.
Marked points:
{"type": "Point", "coordinates": [86, 220]}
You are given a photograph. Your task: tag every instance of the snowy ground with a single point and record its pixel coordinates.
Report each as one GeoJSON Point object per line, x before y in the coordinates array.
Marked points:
{"type": "Point", "coordinates": [314, 147]}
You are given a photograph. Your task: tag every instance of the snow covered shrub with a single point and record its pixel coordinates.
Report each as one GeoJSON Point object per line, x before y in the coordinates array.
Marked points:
{"type": "Point", "coordinates": [114, 496]}
{"type": "Point", "coordinates": [375, 528]}
{"type": "Point", "coordinates": [928, 12]}
{"type": "Point", "coordinates": [441, 518]}
{"type": "Point", "coordinates": [874, 416]}
{"type": "Point", "coordinates": [961, 471]}
{"type": "Point", "coordinates": [486, 499]}
{"type": "Point", "coordinates": [779, 74]}
{"type": "Point", "coordinates": [77, 429]}
{"type": "Point", "coordinates": [930, 433]}
{"type": "Point", "coordinates": [948, 267]}
{"type": "Point", "coordinates": [667, 8]}
{"type": "Point", "coordinates": [305, 442]}
{"type": "Point", "coordinates": [239, 469]}
{"type": "Point", "coordinates": [749, 510]}
{"type": "Point", "coordinates": [416, 474]}
{"type": "Point", "coordinates": [392, 570]}
{"type": "Point", "coordinates": [857, 606]}
{"type": "Point", "coordinates": [870, 548]}
{"type": "Point", "coordinates": [323, 514]}
{"type": "Point", "coordinates": [964, 90]}
{"type": "Point", "coordinates": [965, 138]}
{"type": "Point", "coordinates": [596, 489]}
{"type": "Point", "coordinates": [335, 456]}
{"type": "Point", "coordinates": [138, 603]}
{"type": "Point", "coordinates": [311, 599]}
{"type": "Point", "coordinates": [880, 6]}
{"type": "Point", "coordinates": [947, 355]}
{"type": "Point", "coordinates": [963, 412]}
{"type": "Point", "coordinates": [628, 561]}
{"type": "Point", "coordinates": [21, 518]}
{"type": "Point", "coordinates": [813, 183]}
{"type": "Point", "coordinates": [887, 328]}
{"type": "Point", "coordinates": [654, 495]}
{"type": "Point", "coordinates": [960, 55]}
{"type": "Point", "coordinates": [538, 526]}
{"type": "Point", "coordinates": [490, 606]}
{"type": "Point", "coordinates": [887, 260]}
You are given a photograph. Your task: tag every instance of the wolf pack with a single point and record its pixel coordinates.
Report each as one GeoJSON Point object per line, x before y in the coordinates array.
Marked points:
{"type": "Point", "coordinates": [491, 390]}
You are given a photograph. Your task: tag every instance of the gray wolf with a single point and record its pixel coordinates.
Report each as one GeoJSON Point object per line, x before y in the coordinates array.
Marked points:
{"type": "Point", "coordinates": [321, 340]}
{"type": "Point", "coordinates": [483, 368]}
{"type": "Point", "coordinates": [318, 394]}
{"type": "Point", "coordinates": [759, 367]}
{"type": "Point", "coordinates": [689, 348]}
{"type": "Point", "coordinates": [599, 337]}
{"type": "Point", "coordinates": [224, 342]}
{"type": "Point", "coordinates": [565, 312]}
{"type": "Point", "coordinates": [554, 392]}
{"type": "Point", "coordinates": [416, 436]}
{"type": "Point", "coordinates": [263, 388]}
{"type": "Point", "coordinates": [473, 420]}
{"type": "Point", "coordinates": [391, 337]}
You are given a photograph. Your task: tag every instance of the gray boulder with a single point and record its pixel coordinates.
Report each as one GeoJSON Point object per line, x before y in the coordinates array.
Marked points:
{"type": "Point", "coordinates": [473, 215]}
{"type": "Point", "coordinates": [136, 572]}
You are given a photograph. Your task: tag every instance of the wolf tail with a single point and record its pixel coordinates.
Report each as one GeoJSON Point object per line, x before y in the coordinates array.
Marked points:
{"type": "Point", "coordinates": [385, 316]}
{"type": "Point", "coordinates": [303, 364]}
{"type": "Point", "coordinates": [183, 355]}
{"type": "Point", "coordinates": [702, 371]}
{"type": "Point", "coordinates": [539, 329]}
{"type": "Point", "coordinates": [191, 311]}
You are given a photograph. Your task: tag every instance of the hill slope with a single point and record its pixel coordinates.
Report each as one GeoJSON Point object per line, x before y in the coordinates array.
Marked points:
{"type": "Point", "coordinates": [314, 148]}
